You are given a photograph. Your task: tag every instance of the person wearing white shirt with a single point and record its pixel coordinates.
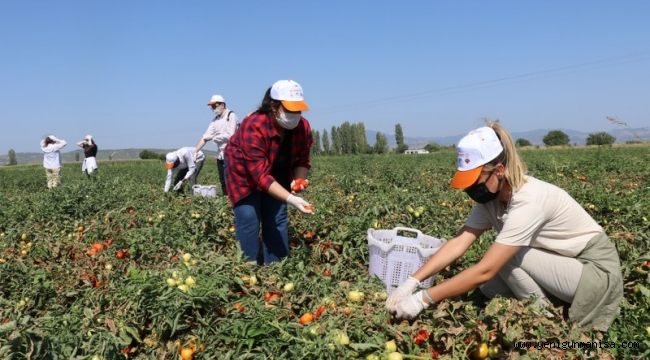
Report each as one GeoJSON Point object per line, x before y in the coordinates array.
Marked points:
{"type": "Point", "coordinates": [220, 130]}
{"type": "Point", "coordinates": [187, 166]}
{"type": "Point", "coordinates": [51, 147]}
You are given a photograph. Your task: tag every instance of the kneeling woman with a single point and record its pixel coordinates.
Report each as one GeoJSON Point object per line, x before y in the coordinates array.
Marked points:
{"type": "Point", "coordinates": [546, 242]}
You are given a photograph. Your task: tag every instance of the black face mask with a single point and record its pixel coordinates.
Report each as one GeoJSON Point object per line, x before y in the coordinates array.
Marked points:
{"type": "Point", "coordinates": [480, 193]}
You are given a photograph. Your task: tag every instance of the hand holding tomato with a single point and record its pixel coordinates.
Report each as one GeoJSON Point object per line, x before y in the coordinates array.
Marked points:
{"type": "Point", "coordinates": [298, 185]}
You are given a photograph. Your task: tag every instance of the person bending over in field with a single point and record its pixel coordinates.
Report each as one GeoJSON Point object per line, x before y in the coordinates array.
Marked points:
{"type": "Point", "coordinates": [187, 167]}
{"type": "Point", "coordinates": [267, 156]}
{"type": "Point", "coordinates": [221, 128]}
{"type": "Point", "coordinates": [89, 146]}
{"type": "Point", "coordinates": [547, 244]}
{"type": "Point", "coordinates": [51, 147]}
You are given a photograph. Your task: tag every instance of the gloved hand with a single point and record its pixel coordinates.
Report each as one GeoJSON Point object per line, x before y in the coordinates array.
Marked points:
{"type": "Point", "coordinates": [404, 289]}
{"type": "Point", "coordinates": [178, 185]}
{"type": "Point", "coordinates": [298, 185]}
{"type": "Point", "coordinates": [410, 306]}
{"type": "Point", "coordinates": [300, 204]}
{"type": "Point", "coordinates": [195, 155]}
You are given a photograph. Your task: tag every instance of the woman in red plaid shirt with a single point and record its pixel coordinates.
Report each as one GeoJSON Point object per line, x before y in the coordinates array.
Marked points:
{"type": "Point", "coordinates": [266, 157]}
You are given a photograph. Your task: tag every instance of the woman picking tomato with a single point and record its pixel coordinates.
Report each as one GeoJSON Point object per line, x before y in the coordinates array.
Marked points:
{"type": "Point", "coordinates": [546, 243]}
{"type": "Point", "coordinates": [267, 156]}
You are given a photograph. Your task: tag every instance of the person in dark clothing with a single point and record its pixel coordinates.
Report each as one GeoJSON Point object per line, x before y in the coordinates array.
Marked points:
{"type": "Point", "coordinates": [89, 146]}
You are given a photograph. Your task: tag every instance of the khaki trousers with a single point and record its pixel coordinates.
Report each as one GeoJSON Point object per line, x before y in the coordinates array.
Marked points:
{"type": "Point", "coordinates": [536, 272]}
{"type": "Point", "coordinates": [53, 177]}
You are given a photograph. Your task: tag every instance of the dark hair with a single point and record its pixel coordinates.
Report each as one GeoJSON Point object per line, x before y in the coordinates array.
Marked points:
{"type": "Point", "coordinates": [268, 106]}
{"type": "Point", "coordinates": [49, 141]}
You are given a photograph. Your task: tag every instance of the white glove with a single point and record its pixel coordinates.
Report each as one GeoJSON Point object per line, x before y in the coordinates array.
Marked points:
{"type": "Point", "coordinates": [410, 306]}
{"type": "Point", "coordinates": [195, 155]}
{"type": "Point", "coordinates": [300, 204]}
{"type": "Point", "coordinates": [178, 185]}
{"type": "Point", "coordinates": [404, 289]}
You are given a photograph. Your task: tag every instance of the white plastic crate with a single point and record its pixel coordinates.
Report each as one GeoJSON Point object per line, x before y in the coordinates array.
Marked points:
{"type": "Point", "coordinates": [394, 257]}
{"type": "Point", "coordinates": [205, 190]}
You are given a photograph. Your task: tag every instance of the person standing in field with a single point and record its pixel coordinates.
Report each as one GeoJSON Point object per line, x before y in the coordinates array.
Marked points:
{"type": "Point", "coordinates": [186, 166]}
{"type": "Point", "coordinates": [546, 243]}
{"type": "Point", "coordinates": [51, 146]}
{"type": "Point", "coordinates": [220, 130]}
{"type": "Point", "coordinates": [267, 156]}
{"type": "Point", "coordinates": [89, 146]}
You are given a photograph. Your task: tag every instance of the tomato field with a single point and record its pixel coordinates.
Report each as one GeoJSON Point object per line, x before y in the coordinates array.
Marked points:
{"type": "Point", "coordinates": [113, 268]}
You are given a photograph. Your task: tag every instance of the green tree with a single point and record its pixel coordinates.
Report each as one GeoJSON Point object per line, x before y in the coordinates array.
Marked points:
{"type": "Point", "coordinates": [326, 142]}
{"type": "Point", "coordinates": [432, 147]}
{"type": "Point", "coordinates": [360, 138]}
{"type": "Point", "coordinates": [336, 141]}
{"type": "Point", "coordinates": [315, 148]}
{"type": "Point", "coordinates": [555, 138]}
{"type": "Point", "coordinates": [148, 154]}
{"type": "Point", "coordinates": [381, 144]}
{"type": "Point", "coordinates": [399, 139]}
{"type": "Point", "coordinates": [522, 142]}
{"type": "Point", "coordinates": [11, 157]}
{"type": "Point", "coordinates": [600, 138]}
{"type": "Point", "coordinates": [399, 135]}
{"type": "Point", "coordinates": [345, 136]}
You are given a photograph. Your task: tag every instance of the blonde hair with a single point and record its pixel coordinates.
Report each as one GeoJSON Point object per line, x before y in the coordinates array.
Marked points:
{"type": "Point", "coordinates": [515, 167]}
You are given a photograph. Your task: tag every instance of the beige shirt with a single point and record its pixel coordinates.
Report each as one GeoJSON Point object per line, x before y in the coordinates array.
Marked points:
{"type": "Point", "coordinates": [220, 130]}
{"type": "Point", "coordinates": [540, 215]}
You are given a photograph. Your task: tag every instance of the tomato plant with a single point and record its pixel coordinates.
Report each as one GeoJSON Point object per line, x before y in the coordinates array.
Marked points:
{"type": "Point", "coordinates": [115, 267]}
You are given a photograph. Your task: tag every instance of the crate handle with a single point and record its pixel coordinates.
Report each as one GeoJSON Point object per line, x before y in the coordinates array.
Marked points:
{"type": "Point", "coordinates": [407, 229]}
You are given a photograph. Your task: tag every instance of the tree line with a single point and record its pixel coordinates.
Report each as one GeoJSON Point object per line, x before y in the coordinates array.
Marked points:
{"type": "Point", "coordinates": [350, 139]}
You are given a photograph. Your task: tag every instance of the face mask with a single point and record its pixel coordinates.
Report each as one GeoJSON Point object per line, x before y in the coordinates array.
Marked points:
{"type": "Point", "coordinates": [288, 121]}
{"type": "Point", "coordinates": [480, 193]}
{"type": "Point", "coordinates": [217, 111]}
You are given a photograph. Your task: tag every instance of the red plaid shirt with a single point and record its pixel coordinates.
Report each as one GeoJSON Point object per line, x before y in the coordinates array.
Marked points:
{"type": "Point", "coordinates": [252, 150]}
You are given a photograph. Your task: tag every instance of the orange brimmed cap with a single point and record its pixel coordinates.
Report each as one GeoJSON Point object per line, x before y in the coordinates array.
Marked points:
{"type": "Point", "coordinates": [476, 149]}
{"type": "Point", "coordinates": [170, 160]}
{"type": "Point", "coordinates": [290, 94]}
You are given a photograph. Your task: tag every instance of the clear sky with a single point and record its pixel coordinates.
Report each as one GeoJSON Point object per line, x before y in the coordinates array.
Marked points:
{"type": "Point", "coordinates": [139, 73]}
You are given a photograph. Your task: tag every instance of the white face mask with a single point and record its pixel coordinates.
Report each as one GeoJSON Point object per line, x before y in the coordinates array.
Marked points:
{"type": "Point", "coordinates": [217, 111]}
{"type": "Point", "coordinates": [288, 121]}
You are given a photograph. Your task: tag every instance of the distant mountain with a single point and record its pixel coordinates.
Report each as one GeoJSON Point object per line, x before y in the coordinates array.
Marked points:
{"type": "Point", "coordinates": [534, 136]}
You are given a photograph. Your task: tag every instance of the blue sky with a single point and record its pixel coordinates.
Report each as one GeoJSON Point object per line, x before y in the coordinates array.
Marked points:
{"type": "Point", "coordinates": [139, 73]}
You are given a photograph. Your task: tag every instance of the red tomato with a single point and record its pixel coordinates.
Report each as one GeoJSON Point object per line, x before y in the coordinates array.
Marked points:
{"type": "Point", "coordinates": [306, 318]}
{"type": "Point", "coordinates": [421, 337]}
{"type": "Point", "coordinates": [98, 247]}
{"type": "Point", "coordinates": [319, 312]}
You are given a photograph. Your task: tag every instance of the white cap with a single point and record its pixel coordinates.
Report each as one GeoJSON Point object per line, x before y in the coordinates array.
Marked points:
{"type": "Point", "coordinates": [88, 138]}
{"type": "Point", "coordinates": [216, 99]}
{"type": "Point", "coordinates": [290, 93]}
{"type": "Point", "coordinates": [170, 159]}
{"type": "Point", "coordinates": [476, 149]}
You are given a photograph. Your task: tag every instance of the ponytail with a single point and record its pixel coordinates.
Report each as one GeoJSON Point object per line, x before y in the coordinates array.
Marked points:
{"type": "Point", "coordinates": [515, 167]}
